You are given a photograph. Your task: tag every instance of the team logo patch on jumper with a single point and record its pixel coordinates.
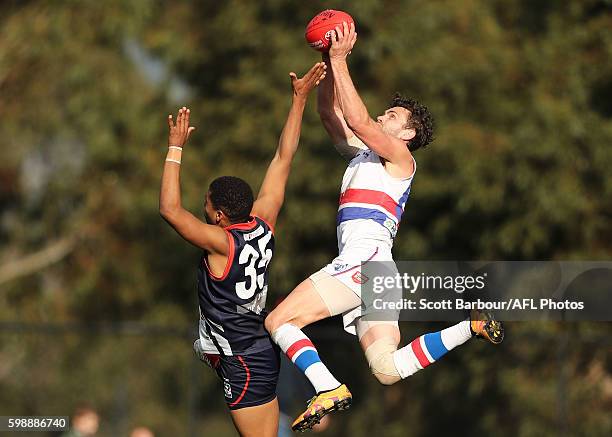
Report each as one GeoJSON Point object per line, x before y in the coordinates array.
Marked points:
{"type": "Point", "coordinates": [391, 226]}
{"type": "Point", "coordinates": [227, 388]}
{"type": "Point", "coordinates": [359, 278]}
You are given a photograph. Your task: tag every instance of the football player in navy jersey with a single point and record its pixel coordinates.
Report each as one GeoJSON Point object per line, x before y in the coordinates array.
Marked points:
{"type": "Point", "coordinates": [237, 240]}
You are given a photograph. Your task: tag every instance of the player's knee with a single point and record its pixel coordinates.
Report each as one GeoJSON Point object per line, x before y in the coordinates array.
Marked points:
{"type": "Point", "coordinates": [276, 319]}
{"type": "Point", "coordinates": [380, 359]}
{"type": "Point", "coordinates": [386, 379]}
{"type": "Point", "coordinates": [271, 323]}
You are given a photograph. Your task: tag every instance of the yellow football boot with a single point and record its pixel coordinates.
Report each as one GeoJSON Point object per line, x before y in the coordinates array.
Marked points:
{"type": "Point", "coordinates": [322, 404]}
{"type": "Point", "coordinates": [483, 325]}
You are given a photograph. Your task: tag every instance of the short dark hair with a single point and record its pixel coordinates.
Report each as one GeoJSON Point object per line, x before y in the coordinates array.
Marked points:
{"type": "Point", "coordinates": [233, 196]}
{"type": "Point", "coordinates": [420, 120]}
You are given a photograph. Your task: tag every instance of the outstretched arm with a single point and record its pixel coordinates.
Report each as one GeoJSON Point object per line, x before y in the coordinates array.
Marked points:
{"type": "Point", "coordinates": [331, 115]}
{"type": "Point", "coordinates": [207, 237]}
{"type": "Point", "coordinates": [272, 192]}
{"type": "Point", "coordinates": [355, 112]}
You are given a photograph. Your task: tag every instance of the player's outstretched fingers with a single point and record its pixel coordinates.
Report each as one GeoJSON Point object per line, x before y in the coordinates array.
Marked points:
{"type": "Point", "coordinates": [170, 122]}
{"type": "Point", "coordinates": [324, 72]}
{"type": "Point", "coordinates": [184, 120]}
{"type": "Point", "coordinates": [191, 129]}
{"type": "Point", "coordinates": [311, 76]}
{"type": "Point", "coordinates": [320, 73]}
{"type": "Point", "coordinates": [179, 118]}
{"type": "Point", "coordinates": [313, 71]}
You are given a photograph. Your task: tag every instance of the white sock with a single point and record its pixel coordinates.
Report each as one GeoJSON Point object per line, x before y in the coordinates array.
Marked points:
{"type": "Point", "coordinates": [456, 335]}
{"type": "Point", "coordinates": [428, 348]}
{"type": "Point", "coordinates": [300, 350]}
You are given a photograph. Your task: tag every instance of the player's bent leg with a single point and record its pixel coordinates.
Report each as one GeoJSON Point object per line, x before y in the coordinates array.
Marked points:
{"type": "Point", "coordinates": [318, 297]}
{"type": "Point", "coordinates": [336, 296]}
{"type": "Point", "coordinates": [379, 340]}
{"type": "Point", "coordinates": [300, 308]}
{"type": "Point", "coordinates": [257, 421]}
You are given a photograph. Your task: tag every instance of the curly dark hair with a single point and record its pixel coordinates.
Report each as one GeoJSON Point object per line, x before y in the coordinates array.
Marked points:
{"type": "Point", "coordinates": [420, 120]}
{"type": "Point", "coordinates": [233, 196]}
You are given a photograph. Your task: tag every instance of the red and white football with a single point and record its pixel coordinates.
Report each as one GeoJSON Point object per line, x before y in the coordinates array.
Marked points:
{"type": "Point", "coordinates": [318, 30]}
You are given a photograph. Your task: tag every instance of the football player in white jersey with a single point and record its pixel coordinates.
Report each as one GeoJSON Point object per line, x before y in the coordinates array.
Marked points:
{"type": "Point", "coordinates": [374, 191]}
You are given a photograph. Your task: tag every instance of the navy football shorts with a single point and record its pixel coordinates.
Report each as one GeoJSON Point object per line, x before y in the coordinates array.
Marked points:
{"type": "Point", "coordinates": [248, 380]}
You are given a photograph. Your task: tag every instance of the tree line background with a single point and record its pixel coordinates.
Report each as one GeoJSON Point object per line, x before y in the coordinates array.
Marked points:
{"type": "Point", "coordinates": [520, 170]}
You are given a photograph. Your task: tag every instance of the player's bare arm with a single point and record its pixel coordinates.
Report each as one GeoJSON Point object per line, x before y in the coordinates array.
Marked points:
{"type": "Point", "coordinates": [272, 192]}
{"type": "Point", "coordinates": [389, 147]}
{"type": "Point", "coordinates": [329, 108]}
{"type": "Point", "coordinates": [207, 237]}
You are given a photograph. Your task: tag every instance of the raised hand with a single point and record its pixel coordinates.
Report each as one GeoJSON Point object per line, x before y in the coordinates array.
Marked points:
{"type": "Point", "coordinates": [342, 41]}
{"type": "Point", "coordinates": [303, 86]}
{"type": "Point", "coordinates": [179, 132]}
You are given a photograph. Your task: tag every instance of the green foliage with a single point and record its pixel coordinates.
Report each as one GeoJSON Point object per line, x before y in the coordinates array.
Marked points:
{"type": "Point", "coordinates": [519, 170]}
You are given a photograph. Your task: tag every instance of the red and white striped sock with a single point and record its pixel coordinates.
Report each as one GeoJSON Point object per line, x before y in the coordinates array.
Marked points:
{"type": "Point", "coordinates": [427, 349]}
{"type": "Point", "coordinates": [300, 350]}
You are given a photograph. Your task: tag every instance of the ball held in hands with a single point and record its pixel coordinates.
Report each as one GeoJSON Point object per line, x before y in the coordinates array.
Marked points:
{"type": "Point", "coordinates": [319, 29]}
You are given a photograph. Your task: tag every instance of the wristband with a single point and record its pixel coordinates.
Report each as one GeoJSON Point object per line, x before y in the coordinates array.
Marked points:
{"type": "Point", "coordinates": [176, 148]}
{"type": "Point", "coordinates": [173, 160]}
